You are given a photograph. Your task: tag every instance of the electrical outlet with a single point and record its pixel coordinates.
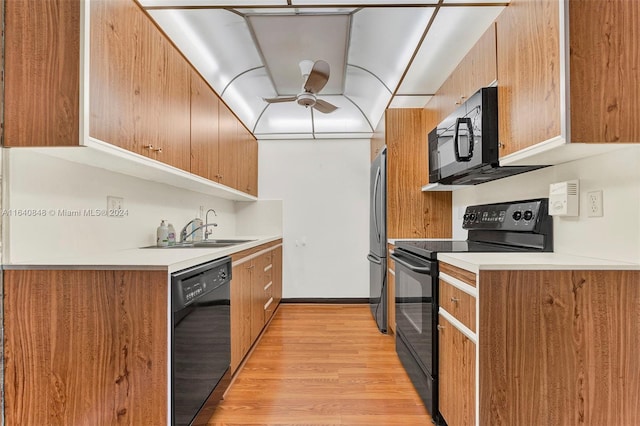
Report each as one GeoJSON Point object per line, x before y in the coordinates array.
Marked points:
{"type": "Point", "coordinates": [594, 204]}
{"type": "Point", "coordinates": [115, 206]}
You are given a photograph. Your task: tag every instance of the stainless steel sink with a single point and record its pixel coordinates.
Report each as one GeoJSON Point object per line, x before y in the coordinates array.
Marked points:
{"type": "Point", "coordinates": [215, 243]}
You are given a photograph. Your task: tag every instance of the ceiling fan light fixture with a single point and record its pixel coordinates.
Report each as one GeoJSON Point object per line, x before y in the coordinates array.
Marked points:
{"type": "Point", "coordinates": [306, 99]}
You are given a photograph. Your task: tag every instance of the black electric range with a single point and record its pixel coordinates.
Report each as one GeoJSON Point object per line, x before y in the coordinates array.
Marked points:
{"type": "Point", "coordinates": [519, 226]}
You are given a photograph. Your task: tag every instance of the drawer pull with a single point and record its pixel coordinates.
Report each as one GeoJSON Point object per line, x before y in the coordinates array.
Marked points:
{"type": "Point", "coordinates": [266, 287]}
{"type": "Point", "coordinates": [268, 267]}
{"type": "Point", "coordinates": [269, 302]}
{"type": "Point", "coordinates": [454, 299]}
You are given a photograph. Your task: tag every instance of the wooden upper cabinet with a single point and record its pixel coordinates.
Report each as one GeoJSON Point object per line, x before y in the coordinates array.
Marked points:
{"type": "Point", "coordinates": [603, 97]}
{"type": "Point", "coordinates": [605, 71]}
{"type": "Point", "coordinates": [42, 88]}
{"type": "Point", "coordinates": [477, 69]}
{"type": "Point", "coordinates": [412, 213]}
{"type": "Point", "coordinates": [528, 74]}
{"type": "Point", "coordinates": [228, 152]}
{"type": "Point", "coordinates": [204, 129]}
{"type": "Point", "coordinates": [248, 161]}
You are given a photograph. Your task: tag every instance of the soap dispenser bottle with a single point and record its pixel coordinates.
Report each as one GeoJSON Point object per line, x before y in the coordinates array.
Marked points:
{"type": "Point", "coordinates": [162, 234]}
{"type": "Point", "coordinates": [172, 235]}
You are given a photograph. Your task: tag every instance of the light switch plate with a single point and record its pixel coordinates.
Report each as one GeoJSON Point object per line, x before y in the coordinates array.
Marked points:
{"type": "Point", "coordinates": [115, 205]}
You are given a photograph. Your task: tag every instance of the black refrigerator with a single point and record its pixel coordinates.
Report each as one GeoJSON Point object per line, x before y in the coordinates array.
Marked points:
{"type": "Point", "coordinates": [378, 241]}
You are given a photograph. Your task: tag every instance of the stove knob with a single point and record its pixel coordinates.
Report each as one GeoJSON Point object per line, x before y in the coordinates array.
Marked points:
{"type": "Point", "coordinates": [472, 217]}
{"type": "Point", "coordinates": [466, 217]}
{"type": "Point", "coordinates": [223, 274]}
{"type": "Point", "coordinates": [517, 215]}
{"type": "Point", "coordinates": [528, 215]}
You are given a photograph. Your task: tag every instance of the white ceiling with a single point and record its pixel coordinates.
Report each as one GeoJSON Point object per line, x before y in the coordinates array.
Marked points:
{"type": "Point", "coordinates": [381, 53]}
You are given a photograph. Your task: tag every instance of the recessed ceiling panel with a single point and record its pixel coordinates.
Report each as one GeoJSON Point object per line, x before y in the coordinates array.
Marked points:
{"type": "Point", "coordinates": [285, 118]}
{"type": "Point", "coordinates": [454, 31]}
{"type": "Point", "coordinates": [384, 39]}
{"type": "Point", "coordinates": [346, 119]}
{"type": "Point", "coordinates": [216, 41]}
{"type": "Point", "coordinates": [286, 40]}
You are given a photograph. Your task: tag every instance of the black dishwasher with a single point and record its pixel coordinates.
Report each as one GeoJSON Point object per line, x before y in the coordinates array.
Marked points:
{"type": "Point", "coordinates": [200, 340]}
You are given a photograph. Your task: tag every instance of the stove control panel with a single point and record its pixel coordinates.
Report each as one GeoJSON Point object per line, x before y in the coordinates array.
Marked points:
{"type": "Point", "coordinates": [513, 216]}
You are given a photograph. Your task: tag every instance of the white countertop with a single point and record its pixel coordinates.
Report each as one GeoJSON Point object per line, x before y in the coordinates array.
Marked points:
{"type": "Point", "coordinates": [476, 262]}
{"type": "Point", "coordinates": [163, 259]}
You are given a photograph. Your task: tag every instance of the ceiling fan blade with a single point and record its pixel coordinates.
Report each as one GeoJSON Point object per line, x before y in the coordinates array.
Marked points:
{"type": "Point", "coordinates": [318, 77]}
{"type": "Point", "coordinates": [278, 100]}
{"type": "Point", "coordinates": [324, 106]}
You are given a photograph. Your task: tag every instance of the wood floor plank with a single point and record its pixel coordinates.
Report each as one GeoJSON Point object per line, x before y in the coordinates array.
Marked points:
{"type": "Point", "coordinates": [322, 365]}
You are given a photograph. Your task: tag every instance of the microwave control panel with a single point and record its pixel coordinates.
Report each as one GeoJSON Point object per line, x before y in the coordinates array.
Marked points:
{"type": "Point", "coordinates": [520, 216]}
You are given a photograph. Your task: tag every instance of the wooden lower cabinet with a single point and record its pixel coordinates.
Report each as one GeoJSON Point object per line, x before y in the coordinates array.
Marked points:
{"type": "Point", "coordinates": [256, 279]}
{"type": "Point", "coordinates": [85, 347]}
{"type": "Point", "coordinates": [457, 369]}
{"type": "Point", "coordinates": [554, 347]}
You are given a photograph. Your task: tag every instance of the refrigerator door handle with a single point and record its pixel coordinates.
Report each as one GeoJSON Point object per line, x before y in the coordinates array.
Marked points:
{"type": "Point", "coordinates": [374, 259]}
{"type": "Point", "coordinates": [375, 202]}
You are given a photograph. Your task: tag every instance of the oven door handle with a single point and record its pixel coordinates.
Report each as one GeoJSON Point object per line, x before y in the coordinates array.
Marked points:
{"type": "Point", "coordinates": [412, 266]}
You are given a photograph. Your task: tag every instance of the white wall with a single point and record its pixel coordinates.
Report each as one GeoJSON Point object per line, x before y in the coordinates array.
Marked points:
{"type": "Point", "coordinates": [37, 181]}
{"type": "Point", "coordinates": [614, 236]}
{"type": "Point", "coordinates": [324, 185]}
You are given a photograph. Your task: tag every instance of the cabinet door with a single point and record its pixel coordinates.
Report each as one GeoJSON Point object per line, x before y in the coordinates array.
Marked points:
{"type": "Point", "coordinates": [240, 312]}
{"type": "Point", "coordinates": [247, 161]}
{"type": "Point", "coordinates": [42, 73]}
{"type": "Point", "coordinates": [528, 74]}
{"type": "Point", "coordinates": [118, 82]}
{"type": "Point", "coordinates": [171, 93]}
{"type": "Point", "coordinates": [228, 152]}
{"type": "Point", "coordinates": [457, 364]}
{"type": "Point", "coordinates": [204, 129]}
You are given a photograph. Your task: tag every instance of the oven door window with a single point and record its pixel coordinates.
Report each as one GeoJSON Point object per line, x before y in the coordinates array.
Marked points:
{"type": "Point", "coordinates": [415, 308]}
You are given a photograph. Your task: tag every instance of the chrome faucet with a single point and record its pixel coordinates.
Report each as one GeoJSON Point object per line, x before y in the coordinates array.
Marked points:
{"type": "Point", "coordinates": [208, 232]}
{"type": "Point", "coordinates": [184, 235]}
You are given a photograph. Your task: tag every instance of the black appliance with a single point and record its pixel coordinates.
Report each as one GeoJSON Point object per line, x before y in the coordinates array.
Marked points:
{"type": "Point", "coordinates": [520, 226]}
{"type": "Point", "coordinates": [378, 241]}
{"type": "Point", "coordinates": [200, 340]}
{"type": "Point", "coordinates": [463, 148]}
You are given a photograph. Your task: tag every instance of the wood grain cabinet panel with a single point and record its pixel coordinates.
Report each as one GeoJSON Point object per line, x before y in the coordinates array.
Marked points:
{"type": "Point", "coordinates": [459, 304]}
{"type": "Point", "coordinates": [228, 151]}
{"type": "Point", "coordinates": [605, 70]}
{"type": "Point", "coordinates": [241, 339]}
{"type": "Point", "coordinates": [85, 347]}
{"type": "Point", "coordinates": [412, 213]}
{"type": "Point", "coordinates": [204, 129]}
{"type": "Point", "coordinates": [247, 161]}
{"type": "Point", "coordinates": [528, 74]}
{"type": "Point", "coordinates": [559, 347]}
{"type": "Point", "coordinates": [457, 380]}
{"type": "Point", "coordinates": [42, 89]}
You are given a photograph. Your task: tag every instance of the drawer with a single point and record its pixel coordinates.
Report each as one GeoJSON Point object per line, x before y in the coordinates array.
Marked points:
{"type": "Point", "coordinates": [459, 304]}
{"type": "Point", "coordinates": [268, 290]}
{"type": "Point", "coordinates": [459, 273]}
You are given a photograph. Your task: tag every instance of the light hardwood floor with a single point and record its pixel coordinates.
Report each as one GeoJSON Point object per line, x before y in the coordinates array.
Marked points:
{"type": "Point", "coordinates": [322, 364]}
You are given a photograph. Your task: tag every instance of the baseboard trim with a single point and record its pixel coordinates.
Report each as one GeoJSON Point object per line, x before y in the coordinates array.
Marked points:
{"type": "Point", "coordinates": [328, 300]}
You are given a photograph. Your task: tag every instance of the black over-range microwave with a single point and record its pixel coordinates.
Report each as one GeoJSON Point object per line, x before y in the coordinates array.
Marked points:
{"type": "Point", "coordinates": [463, 148]}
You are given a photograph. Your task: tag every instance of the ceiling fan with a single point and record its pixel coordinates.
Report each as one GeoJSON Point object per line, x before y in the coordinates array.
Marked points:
{"type": "Point", "coordinates": [316, 75]}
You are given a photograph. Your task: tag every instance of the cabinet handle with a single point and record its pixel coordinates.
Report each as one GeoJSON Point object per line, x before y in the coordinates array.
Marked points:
{"type": "Point", "coordinates": [501, 145]}
{"type": "Point", "coordinates": [460, 101]}
{"type": "Point", "coordinates": [440, 327]}
{"type": "Point", "coordinates": [158, 150]}
{"type": "Point", "coordinates": [454, 300]}
{"type": "Point", "coordinates": [251, 267]}
{"type": "Point", "coordinates": [149, 147]}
